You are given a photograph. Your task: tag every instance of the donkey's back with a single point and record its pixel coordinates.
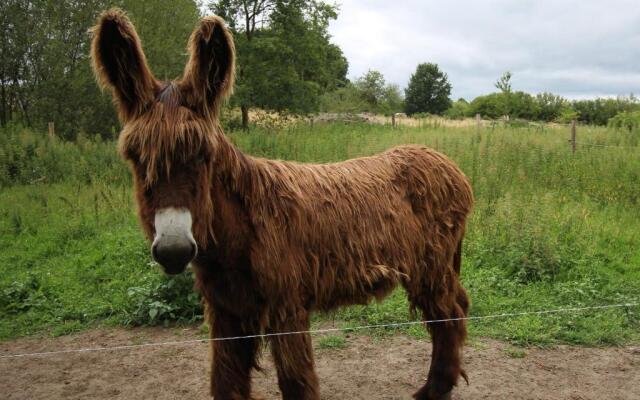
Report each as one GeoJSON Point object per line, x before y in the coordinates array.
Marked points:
{"type": "Point", "coordinates": [352, 230]}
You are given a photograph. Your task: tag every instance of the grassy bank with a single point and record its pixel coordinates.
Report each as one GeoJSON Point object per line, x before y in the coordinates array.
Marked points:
{"type": "Point", "coordinates": [550, 229]}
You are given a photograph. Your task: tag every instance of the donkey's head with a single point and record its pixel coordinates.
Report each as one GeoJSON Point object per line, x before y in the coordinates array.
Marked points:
{"type": "Point", "coordinates": [170, 130]}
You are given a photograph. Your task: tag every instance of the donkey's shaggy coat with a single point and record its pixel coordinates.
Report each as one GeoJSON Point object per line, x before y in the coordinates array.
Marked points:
{"type": "Point", "coordinates": [277, 240]}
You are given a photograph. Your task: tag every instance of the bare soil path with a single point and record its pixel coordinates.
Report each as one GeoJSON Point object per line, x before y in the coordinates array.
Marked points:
{"type": "Point", "coordinates": [367, 368]}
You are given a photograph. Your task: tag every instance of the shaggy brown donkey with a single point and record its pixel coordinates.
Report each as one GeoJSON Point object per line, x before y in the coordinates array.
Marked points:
{"type": "Point", "coordinates": [272, 241]}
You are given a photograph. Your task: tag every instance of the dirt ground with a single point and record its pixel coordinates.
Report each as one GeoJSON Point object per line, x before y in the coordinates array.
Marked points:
{"type": "Point", "coordinates": [367, 368]}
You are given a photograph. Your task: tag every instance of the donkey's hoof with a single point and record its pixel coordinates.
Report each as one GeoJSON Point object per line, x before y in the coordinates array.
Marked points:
{"type": "Point", "coordinates": [423, 394]}
{"type": "Point", "coordinates": [446, 396]}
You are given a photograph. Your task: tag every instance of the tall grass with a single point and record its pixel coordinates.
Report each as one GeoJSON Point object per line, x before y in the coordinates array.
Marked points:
{"type": "Point", "coordinates": [550, 229]}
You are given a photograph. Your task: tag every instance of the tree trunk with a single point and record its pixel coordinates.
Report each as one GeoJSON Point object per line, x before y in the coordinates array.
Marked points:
{"type": "Point", "coordinates": [3, 111]}
{"type": "Point", "coordinates": [245, 116]}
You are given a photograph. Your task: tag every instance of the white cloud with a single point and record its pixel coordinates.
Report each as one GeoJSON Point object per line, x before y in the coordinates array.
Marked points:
{"type": "Point", "coordinates": [574, 48]}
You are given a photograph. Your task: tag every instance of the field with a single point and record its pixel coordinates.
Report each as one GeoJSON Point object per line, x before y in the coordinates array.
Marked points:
{"type": "Point", "coordinates": [551, 229]}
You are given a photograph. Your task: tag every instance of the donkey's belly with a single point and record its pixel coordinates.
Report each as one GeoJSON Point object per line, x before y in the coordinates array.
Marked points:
{"type": "Point", "coordinates": [354, 285]}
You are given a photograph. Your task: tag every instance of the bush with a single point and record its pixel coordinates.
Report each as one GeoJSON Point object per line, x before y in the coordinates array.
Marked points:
{"type": "Point", "coordinates": [531, 245]}
{"type": "Point", "coordinates": [567, 115]}
{"type": "Point", "coordinates": [492, 106]}
{"type": "Point", "coordinates": [458, 110]}
{"type": "Point", "coordinates": [626, 120]}
{"type": "Point", "coordinates": [21, 296]}
{"type": "Point", "coordinates": [160, 302]}
{"type": "Point", "coordinates": [550, 106]}
{"type": "Point", "coordinates": [27, 156]}
{"type": "Point", "coordinates": [599, 111]}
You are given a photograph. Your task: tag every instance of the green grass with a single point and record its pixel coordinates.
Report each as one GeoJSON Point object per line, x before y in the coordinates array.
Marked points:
{"type": "Point", "coordinates": [550, 229]}
{"type": "Point", "coordinates": [332, 342]}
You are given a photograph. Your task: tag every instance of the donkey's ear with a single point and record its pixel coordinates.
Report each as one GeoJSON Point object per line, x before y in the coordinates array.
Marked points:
{"type": "Point", "coordinates": [210, 73]}
{"type": "Point", "coordinates": [120, 64]}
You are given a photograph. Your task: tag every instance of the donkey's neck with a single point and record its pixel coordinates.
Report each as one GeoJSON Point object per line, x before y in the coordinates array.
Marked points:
{"type": "Point", "coordinates": [233, 169]}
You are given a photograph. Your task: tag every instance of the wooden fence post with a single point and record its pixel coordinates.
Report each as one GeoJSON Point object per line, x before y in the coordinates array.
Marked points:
{"type": "Point", "coordinates": [393, 120]}
{"type": "Point", "coordinates": [478, 123]}
{"type": "Point", "coordinates": [573, 136]}
{"type": "Point", "coordinates": [52, 129]}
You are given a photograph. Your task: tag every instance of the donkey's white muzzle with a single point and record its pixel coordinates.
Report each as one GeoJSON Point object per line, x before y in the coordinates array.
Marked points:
{"type": "Point", "coordinates": [173, 246]}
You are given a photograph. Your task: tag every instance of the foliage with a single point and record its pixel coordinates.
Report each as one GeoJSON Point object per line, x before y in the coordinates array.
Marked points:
{"type": "Point", "coordinates": [599, 111]}
{"type": "Point", "coordinates": [491, 106]}
{"type": "Point", "coordinates": [458, 110]}
{"type": "Point", "coordinates": [332, 342]}
{"type": "Point", "coordinates": [46, 73]}
{"type": "Point", "coordinates": [285, 60]}
{"type": "Point", "coordinates": [629, 120]}
{"type": "Point", "coordinates": [521, 105]}
{"type": "Point", "coordinates": [504, 83]}
{"type": "Point", "coordinates": [27, 157]}
{"type": "Point", "coordinates": [567, 115]}
{"type": "Point", "coordinates": [550, 106]}
{"type": "Point", "coordinates": [428, 90]}
{"type": "Point", "coordinates": [163, 301]}
{"type": "Point", "coordinates": [369, 93]}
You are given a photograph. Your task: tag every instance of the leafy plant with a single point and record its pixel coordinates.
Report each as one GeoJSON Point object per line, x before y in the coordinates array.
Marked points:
{"type": "Point", "coordinates": [626, 120]}
{"type": "Point", "coordinates": [21, 296]}
{"type": "Point", "coordinates": [164, 301]}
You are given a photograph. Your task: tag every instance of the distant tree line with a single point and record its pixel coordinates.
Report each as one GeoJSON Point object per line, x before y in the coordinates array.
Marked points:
{"type": "Point", "coordinates": [542, 106]}
{"type": "Point", "coordinates": [285, 59]}
{"type": "Point", "coordinates": [286, 62]}
{"type": "Point", "coordinates": [428, 92]}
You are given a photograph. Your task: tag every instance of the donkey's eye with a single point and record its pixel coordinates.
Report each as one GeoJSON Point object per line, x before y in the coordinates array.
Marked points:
{"type": "Point", "coordinates": [200, 159]}
{"type": "Point", "coordinates": [132, 156]}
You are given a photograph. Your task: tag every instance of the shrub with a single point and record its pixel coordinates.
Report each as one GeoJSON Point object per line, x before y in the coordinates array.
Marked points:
{"type": "Point", "coordinates": [21, 296]}
{"type": "Point", "coordinates": [550, 106]}
{"type": "Point", "coordinates": [164, 301]}
{"type": "Point", "coordinates": [531, 245]}
{"type": "Point", "coordinates": [626, 120]}
{"type": "Point", "coordinates": [491, 106]}
{"type": "Point", "coordinates": [567, 115]}
{"type": "Point", "coordinates": [599, 111]}
{"type": "Point", "coordinates": [27, 156]}
{"type": "Point", "coordinates": [458, 110]}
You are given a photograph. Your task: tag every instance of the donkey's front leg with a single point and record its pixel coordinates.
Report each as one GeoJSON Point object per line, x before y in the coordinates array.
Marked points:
{"type": "Point", "coordinates": [293, 357]}
{"type": "Point", "coordinates": [233, 359]}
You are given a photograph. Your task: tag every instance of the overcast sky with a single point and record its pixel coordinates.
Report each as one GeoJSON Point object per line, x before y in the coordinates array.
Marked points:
{"type": "Point", "coordinates": [579, 49]}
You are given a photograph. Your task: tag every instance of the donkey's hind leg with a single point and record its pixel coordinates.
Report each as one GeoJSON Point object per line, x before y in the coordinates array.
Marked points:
{"type": "Point", "coordinates": [293, 357]}
{"type": "Point", "coordinates": [443, 298]}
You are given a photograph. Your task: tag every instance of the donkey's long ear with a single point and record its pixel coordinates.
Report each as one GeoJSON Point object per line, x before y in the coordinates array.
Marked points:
{"type": "Point", "coordinates": [120, 64]}
{"type": "Point", "coordinates": [210, 73]}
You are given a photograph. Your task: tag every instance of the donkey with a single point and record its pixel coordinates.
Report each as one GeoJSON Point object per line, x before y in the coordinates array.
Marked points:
{"type": "Point", "coordinates": [272, 241]}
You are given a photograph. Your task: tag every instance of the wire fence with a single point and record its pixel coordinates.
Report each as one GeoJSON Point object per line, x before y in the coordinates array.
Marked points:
{"type": "Point", "coordinates": [319, 331]}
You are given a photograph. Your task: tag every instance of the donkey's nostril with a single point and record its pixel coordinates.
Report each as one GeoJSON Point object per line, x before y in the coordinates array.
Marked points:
{"type": "Point", "coordinates": [174, 253]}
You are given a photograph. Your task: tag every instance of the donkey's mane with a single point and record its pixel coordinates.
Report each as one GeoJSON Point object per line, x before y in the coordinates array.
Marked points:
{"type": "Point", "coordinates": [168, 133]}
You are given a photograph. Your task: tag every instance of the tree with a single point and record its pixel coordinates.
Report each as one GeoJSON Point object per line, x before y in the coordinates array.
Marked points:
{"type": "Point", "coordinates": [285, 60]}
{"type": "Point", "coordinates": [458, 110]}
{"type": "Point", "coordinates": [369, 93]}
{"type": "Point", "coordinates": [490, 106]}
{"type": "Point", "coordinates": [377, 94]}
{"type": "Point", "coordinates": [428, 90]}
{"type": "Point", "coordinates": [371, 86]}
{"type": "Point", "coordinates": [45, 73]}
{"type": "Point", "coordinates": [504, 83]}
{"type": "Point", "coordinates": [550, 106]}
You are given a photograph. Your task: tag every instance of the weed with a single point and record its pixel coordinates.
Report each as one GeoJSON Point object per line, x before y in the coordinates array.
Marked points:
{"type": "Point", "coordinates": [332, 342]}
